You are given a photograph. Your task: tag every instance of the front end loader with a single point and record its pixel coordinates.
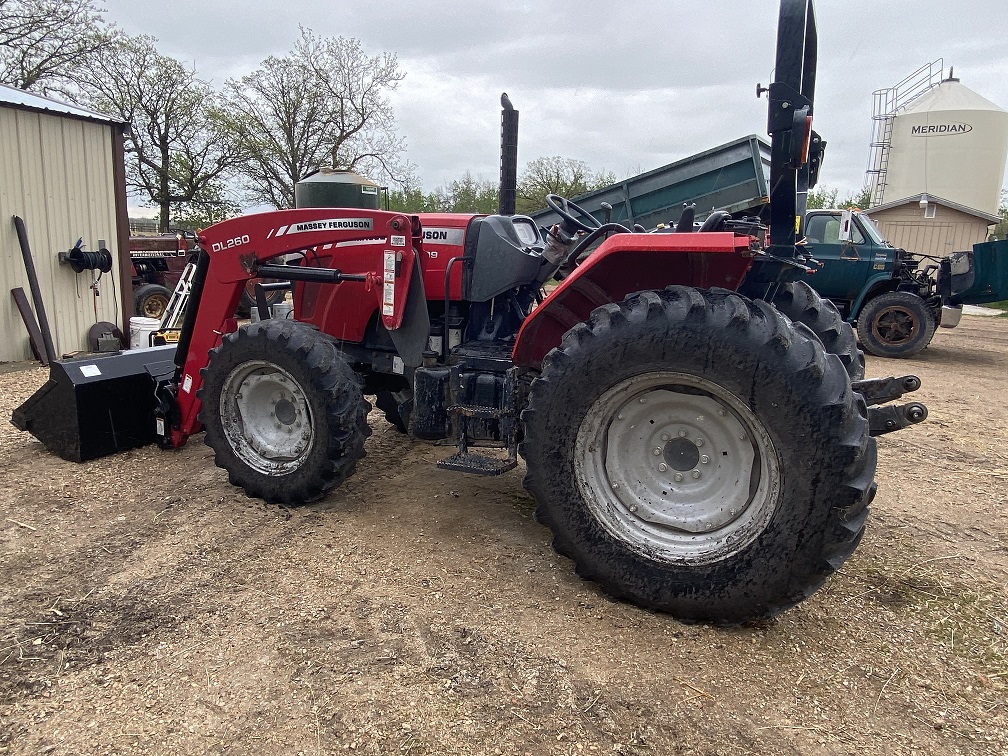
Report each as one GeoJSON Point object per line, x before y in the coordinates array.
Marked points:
{"type": "Point", "coordinates": [694, 422]}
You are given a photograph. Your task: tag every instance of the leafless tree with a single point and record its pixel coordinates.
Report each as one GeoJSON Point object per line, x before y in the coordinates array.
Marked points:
{"type": "Point", "coordinates": [556, 175]}
{"type": "Point", "coordinates": [279, 119]}
{"type": "Point", "coordinates": [43, 43]}
{"type": "Point", "coordinates": [179, 154]}
{"type": "Point", "coordinates": [324, 104]}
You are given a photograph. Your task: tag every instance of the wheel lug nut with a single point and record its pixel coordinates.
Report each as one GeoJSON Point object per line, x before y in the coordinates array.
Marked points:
{"type": "Point", "coordinates": [695, 474]}
{"type": "Point", "coordinates": [643, 400]}
{"type": "Point", "coordinates": [657, 451]}
{"type": "Point", "coordinates": [704, 459]}
{"type": "Point", "coordinates": [678, 477]}
{"type": "Point", "coordinates": [662, 467]}
{"type": "Point", "coordinates": [683, 433]}
{"type": "Point", "coordinates": [665, 437]}
{"type": "Point", "coordinates": [633, 507]}
{"type": "Point", "coordinates": [699, 442]}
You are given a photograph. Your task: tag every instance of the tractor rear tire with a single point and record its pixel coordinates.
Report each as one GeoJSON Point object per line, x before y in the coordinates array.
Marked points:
{"type": "Point", "coordinates": [802, 304]}
{"type": "Point", "coordinates": [397, 406]}
{"type": "Point", "coordinates": [151, 301]}
{"type": "Point", "coordinates": [283, 412]}
{"type": "Point", "coordinates": [697, 453]}
{"type": "Point", "coordinates": [895, 324]}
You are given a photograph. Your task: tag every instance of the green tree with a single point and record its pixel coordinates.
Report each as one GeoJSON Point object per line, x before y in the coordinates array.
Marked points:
{"type": "Point", "coordinates": [44, 42]}
{"type": "Point", "coordinates": [212, 206]}
{"type": "Point", "coordinates": [1000, 231]}
{"type": "Point", "coordinates": [556, 175]}
{"type": "Point", "coordinates": [464, 195]}
{"type": "Point", "coordinates": [411, 198]}
{"type": "Point", "coordinates": [822, 197]}
{"type": "Point", "coordinates": [826, 197]}
{"type": "Point", "coordinates": [860, 199]}
{"type": "Point", "coordinates": [469, 195]}
{"type": "Point", "coordinates": [177, 149]}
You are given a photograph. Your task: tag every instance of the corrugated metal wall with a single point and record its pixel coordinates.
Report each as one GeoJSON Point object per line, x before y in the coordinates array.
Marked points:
{"type": "Point", "coordinates": [949, 231]}
{"type": "Point", "coordinates": [57, 174]}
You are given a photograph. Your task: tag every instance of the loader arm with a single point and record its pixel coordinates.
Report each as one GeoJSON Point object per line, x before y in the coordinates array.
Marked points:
{"type": "Point", "coordinates": [237, 250]}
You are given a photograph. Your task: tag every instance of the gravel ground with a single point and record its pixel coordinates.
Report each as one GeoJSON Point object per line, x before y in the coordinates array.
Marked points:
{"type": "Point", "coordinates": [151, 607]}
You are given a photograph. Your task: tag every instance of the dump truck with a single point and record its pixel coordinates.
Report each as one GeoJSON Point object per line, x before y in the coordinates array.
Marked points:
{"type": "Point", "coordinates": [897, 299]}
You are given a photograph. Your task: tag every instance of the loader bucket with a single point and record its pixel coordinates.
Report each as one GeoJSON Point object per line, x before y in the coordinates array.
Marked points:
{"type": "Point", "coordinates": [97, 405]}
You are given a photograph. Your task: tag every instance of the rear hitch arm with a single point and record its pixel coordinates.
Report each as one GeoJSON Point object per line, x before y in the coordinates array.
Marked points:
{"type": "Point", "coordinates": [895, 417]}
{"type": "Point", "coordinates": [878, 391]}
{"type": "Point", "coordinates": [882, 390]}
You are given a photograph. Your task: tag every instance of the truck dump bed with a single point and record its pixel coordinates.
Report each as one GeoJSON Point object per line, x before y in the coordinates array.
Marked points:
{"type": "Point", "coordinates": [730, 177]}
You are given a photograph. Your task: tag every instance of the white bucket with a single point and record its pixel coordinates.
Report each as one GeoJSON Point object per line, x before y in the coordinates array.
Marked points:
{"type": "Point", "coordinates": [140, 331]}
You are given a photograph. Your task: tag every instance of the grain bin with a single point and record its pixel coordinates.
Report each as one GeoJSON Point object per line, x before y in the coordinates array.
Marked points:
{"type": "Point", "coordinates": [950, 143]}
{"type": "Point", "coordinates": [335, 188]}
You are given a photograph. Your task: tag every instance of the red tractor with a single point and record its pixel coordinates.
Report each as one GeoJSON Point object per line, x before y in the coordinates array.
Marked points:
{"type": "Point", "coordinates": [683, 404]}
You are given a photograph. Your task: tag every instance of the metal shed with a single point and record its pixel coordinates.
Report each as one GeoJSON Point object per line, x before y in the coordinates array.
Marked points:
{"type": "Point", "coordinates": [62, 170]}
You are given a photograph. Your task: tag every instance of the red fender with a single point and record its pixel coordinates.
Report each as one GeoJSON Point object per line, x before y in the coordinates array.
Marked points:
{"type": "Point", "coordinates": [626, 263]}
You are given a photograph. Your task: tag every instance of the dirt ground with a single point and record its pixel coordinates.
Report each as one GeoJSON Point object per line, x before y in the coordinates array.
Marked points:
{"type": "Point", "coordinates": [148, 606]}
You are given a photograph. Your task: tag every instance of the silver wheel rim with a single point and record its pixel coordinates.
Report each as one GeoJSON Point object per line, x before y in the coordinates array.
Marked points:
{"type": "Point", "coordinates": [266, 418]}
{"type": "Point", "coordinates": [677, 468]}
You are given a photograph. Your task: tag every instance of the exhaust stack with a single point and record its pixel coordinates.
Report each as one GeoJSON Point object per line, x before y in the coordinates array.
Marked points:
{"type": "Point", "coordinates": [509, 157]}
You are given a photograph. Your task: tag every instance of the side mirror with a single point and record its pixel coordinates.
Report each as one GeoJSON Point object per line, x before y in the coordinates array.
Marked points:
{"type": "Point", "coordinates": [846, 219]}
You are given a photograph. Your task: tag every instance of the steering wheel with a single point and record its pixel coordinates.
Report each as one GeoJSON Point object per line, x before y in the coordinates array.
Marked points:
{"type": "Point", "coordinates": [563, 207]}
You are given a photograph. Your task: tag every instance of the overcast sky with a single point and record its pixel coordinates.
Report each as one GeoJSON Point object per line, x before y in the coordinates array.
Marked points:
{"type": "Point", "coordinates": [626, 87]}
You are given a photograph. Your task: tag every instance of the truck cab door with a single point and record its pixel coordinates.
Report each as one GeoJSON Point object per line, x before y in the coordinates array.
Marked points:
{"type": "Point", "coordinates": [847, 263]}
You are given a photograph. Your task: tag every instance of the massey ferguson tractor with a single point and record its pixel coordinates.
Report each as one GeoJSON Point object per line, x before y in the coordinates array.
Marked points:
{"type": "Point", "coordinates": [683, 403]}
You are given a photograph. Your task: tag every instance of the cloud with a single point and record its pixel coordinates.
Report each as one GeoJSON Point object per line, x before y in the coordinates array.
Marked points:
{"type": "Point", "coordinates": [623, 87]}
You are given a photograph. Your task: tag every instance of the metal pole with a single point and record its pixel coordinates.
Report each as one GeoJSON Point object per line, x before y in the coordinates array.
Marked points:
{"type": "Point", "coordinates": [36, 292]}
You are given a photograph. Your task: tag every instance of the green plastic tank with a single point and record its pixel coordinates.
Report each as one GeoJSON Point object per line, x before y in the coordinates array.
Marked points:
{"type": "Point", "coordinates": [328, 187]}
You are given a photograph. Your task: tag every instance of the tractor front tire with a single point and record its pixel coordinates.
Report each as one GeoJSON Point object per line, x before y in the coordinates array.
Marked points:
{"type": "Point", "coordinates": [802, 304]}
{"type": "Point", "coordinates": [697, 453]}
{"type": "Point", "coordinates": [895, 324]}
{"type": "Point", "coordinates": [283, 412]}
{"type": "Point", "coordinates": [151, 301]}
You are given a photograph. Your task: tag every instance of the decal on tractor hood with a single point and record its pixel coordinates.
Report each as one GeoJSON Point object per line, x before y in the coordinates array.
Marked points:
{"type": "Point", "coordinates": [453, 236]}
{"type": "Point", "coordinates": [327, 224]}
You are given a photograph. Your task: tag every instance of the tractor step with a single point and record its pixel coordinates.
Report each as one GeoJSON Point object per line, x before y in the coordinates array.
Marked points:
{"type": "Point", "coordinates": [477, 464]}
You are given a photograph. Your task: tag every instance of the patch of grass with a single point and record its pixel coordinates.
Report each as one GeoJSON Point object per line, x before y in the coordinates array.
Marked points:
{"type": "Point", "coordinates": [964, 615]}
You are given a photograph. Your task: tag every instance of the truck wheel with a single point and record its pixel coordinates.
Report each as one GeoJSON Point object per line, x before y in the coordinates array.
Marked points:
{"type": "Point", "coordinates": [697, 453]}
{"type": "Point", "coordinates": [283, 411]}
{"type": "Point", "coordinates": [895, 324]}
{"type": "Point", "coordinates": [397, 406]}
{"type": "Point", "coordinates": [151, 301]}
{"type": "Point", "coordinates": [802, 304]}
